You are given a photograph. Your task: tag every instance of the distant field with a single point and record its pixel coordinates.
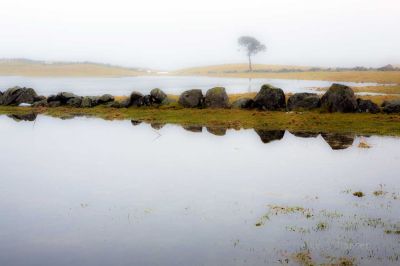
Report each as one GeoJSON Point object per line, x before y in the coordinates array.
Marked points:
{"type": "Point", "coordinates": [238, 70]}
{"type": "Point", "coordinates": [23, 67]}
{"type": "Point", "coordinates": [38, 68]}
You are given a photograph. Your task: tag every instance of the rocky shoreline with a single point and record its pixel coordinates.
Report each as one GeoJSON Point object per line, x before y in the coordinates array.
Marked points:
{"type": "Point", "coordinates": [339, 98]}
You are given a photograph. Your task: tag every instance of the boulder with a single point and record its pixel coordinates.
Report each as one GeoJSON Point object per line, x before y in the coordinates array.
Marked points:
{"type": "Point", "coordinates": [196, 129]}
{"type": "Point", "coordinates": [157, 96]}
{"type": "Point", "coordinates": [114, 104]}
{"type": "Point", "coordinates": [191, 99]}
{"type": "Point", "coordinates": [338, 141]}
{"type": "Point", "coordinates": [147, 100]}
{"type": "Point", "coordinates": [135, 99]}
{"type": "Point", "coordinates": [243, 103]}
{"type": "Point", "coordinates": [216, 98]}
{"type": "Point", "coordinates": [89, 101]}
{"type": "Point", "coordinates": [135, 122]}
{"type": "Point", "coordinates": [304, 134]}
{"type": "Point", "coordinates": [303, 101]}
{"type": "Point", "coordinates": [270, 98]}
{"type": "Point", "coordinates": [42, 103]}
{"type": "Point", "coordinates": [268, 136]}
{"type": "Point", "coordinates": [52, 98]}
{"type": "Point", "coordinates": [339, 98]}
{"type": "Point", "coordinates": [54, 104]}
{"type": "Point", "coordinates": [367, 106]}
{"type": "Point", "coordinates": [18, 95]}
{"type": "Point", "coordinates": [157, 126]}
{"type": "Point", "coordinates": [23, 117]}
{"type": "Point", "coordinates": [74, 102]}
{"type": "Point", "coordinates": [125, 103]}
{"type": "Point", "coordinates": [40, 98]}
{"type": "Point", "coordinates": [64, 97]}
{"type": "Point", "coordinates": [392, 107]}
{"type": "Point", "coordinates": [106, 98]}
{"type": "Point", "coordinates": [218, 131]}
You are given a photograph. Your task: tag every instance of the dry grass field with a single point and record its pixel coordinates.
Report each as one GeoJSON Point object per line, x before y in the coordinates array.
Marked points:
{"type": "Point", "coordinates": [239, 71]}
{"type": "Point", "coordinates": [37, 68]}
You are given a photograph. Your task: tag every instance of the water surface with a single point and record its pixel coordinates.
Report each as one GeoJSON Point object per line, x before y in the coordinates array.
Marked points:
{"type": "Point", "coordinates": [170, 84]}
{"type": "Point", "coordinates": [86, 191]}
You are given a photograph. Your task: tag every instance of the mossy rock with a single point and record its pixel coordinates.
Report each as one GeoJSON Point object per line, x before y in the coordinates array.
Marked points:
{"type": "Point", "coordinates": [270, 98]}
{"type": "Point", "coordinates": [339, 98]}
{"type": "Point", "coordinates": [216, 98]}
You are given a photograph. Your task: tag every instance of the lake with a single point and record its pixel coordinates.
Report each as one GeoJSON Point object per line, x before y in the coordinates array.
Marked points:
{"type": "Point", "coordinates": [86, 191]}
{"type": "Point", "coordinates": [170, 84]}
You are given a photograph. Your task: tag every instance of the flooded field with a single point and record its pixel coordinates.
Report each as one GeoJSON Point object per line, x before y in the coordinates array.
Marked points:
{"type": "Point", "coordinates": [170, 84]}
{"type": "Point", "coordinates": [86, 191]}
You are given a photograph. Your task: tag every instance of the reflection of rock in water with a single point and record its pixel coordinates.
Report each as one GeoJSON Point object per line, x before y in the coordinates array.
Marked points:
{"type": "Point", "coordinates": [218, 131]}
{"type": "Point", "coordinates": [136, 122]}
{"type": "Point", "coordinates": [157, 126]}
{"type": "Point", "coordinates": [270, 135]}
{"type": "Point", "coordinates": [23, 117]}
{"type": "Point", "coordinates": [305, 134]}
{"type": "Point", "coordinates": [194, 128]}
{"type": "Point", "coordinates": [338, 141]}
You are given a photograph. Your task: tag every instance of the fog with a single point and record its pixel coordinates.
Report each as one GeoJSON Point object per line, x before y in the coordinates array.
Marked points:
{"type": "Point", "coordinates": [174, 34]}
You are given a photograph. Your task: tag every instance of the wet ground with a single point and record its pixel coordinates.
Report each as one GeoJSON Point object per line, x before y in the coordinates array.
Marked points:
{"type": "Point", "coordinates": [86, 191]}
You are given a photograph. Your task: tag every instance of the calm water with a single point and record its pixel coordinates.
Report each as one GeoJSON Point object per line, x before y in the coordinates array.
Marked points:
{"type": "Point", "coordinates": [90, 192]}
{"type": "Point", "coordinates": [170, 84]}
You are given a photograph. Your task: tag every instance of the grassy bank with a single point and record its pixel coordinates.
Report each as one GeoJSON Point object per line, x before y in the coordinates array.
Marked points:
{"type": "Point", "coordinates": [240, 71]}
{"type": "Point", "coordinates": [379, 124]}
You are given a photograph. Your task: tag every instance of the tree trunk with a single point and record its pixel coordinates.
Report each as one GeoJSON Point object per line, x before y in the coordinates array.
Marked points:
{"type": "Point", "coordinates": [250, 68]}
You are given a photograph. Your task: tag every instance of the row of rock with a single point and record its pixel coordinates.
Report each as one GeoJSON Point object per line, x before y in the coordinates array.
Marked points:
{"type": "Point", "coordinates": [339, 98]}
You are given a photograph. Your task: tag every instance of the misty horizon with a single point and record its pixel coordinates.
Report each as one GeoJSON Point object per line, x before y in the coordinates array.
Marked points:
{"type": "Point", "coordinates": [179, 34]}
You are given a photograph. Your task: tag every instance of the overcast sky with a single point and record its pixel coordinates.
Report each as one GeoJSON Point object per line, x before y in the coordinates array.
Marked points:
{"type": "Point", "coordinates": [169, 34]}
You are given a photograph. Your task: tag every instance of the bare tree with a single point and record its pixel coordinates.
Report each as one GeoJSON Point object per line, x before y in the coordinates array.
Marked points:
{"type": "Point", "coordinates": [252, 46]}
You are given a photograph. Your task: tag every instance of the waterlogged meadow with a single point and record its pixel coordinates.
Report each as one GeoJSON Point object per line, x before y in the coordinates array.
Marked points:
{"type": "Point", "coordinates": [86, 191]}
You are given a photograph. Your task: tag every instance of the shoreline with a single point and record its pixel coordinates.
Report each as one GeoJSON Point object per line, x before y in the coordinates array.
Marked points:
{"type": "Point", "coordinates": [308, 121]}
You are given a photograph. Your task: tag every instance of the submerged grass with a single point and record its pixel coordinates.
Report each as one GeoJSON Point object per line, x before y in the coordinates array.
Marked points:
{"type": "Point", "coordinates": [377, 124]}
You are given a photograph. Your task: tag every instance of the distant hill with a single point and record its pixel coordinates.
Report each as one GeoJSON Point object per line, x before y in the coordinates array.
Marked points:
{"type": "Point", "coordinates": [237, 68]}
{"type": "Point", "coordinates": [26, 67]}
{"type": "Point", "coordinates": [230, 69]}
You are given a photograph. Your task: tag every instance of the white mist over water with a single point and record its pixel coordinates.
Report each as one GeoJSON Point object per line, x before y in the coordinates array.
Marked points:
{"type": "Point", "coordinates": [173, 34]}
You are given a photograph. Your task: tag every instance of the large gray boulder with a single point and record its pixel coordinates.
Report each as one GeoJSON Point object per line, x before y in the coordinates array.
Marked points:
{"type": "Point", "coordinates": [216, 98]}
{"type": "Point", "coordinates": [135, 99]}
{"type": "Point", "coordinates": [42, 103]}
{"type": "Point", "coordinates": [106, 98]}
{"type": "Point", "coordinates": [243, 103]}
{"type": "Point", "coordinates": [147, 100]}
{"type": "Point", "coordinates": [191, 99]}
{"type": "Point", "coordinates": [339, 98]}
{"type": "Point", "coordinates": [367, 106]}
{"type": "Point", "coordinates": [270, 98]}
{"type": "Point", "coordinates": [74, 102]}
{"type": "Point", "coordinates": [87, 102]}
{"type": "Point", "coordinates": [63, 98]}
{"type": "Point", "coordinates": [18, 95]}
{"type": "Point", "coordinates": [157, 96]}
{"type": "Point", "coordinates": [392, 107]}
{"type": "Point", "coordinates": [303, 101]}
